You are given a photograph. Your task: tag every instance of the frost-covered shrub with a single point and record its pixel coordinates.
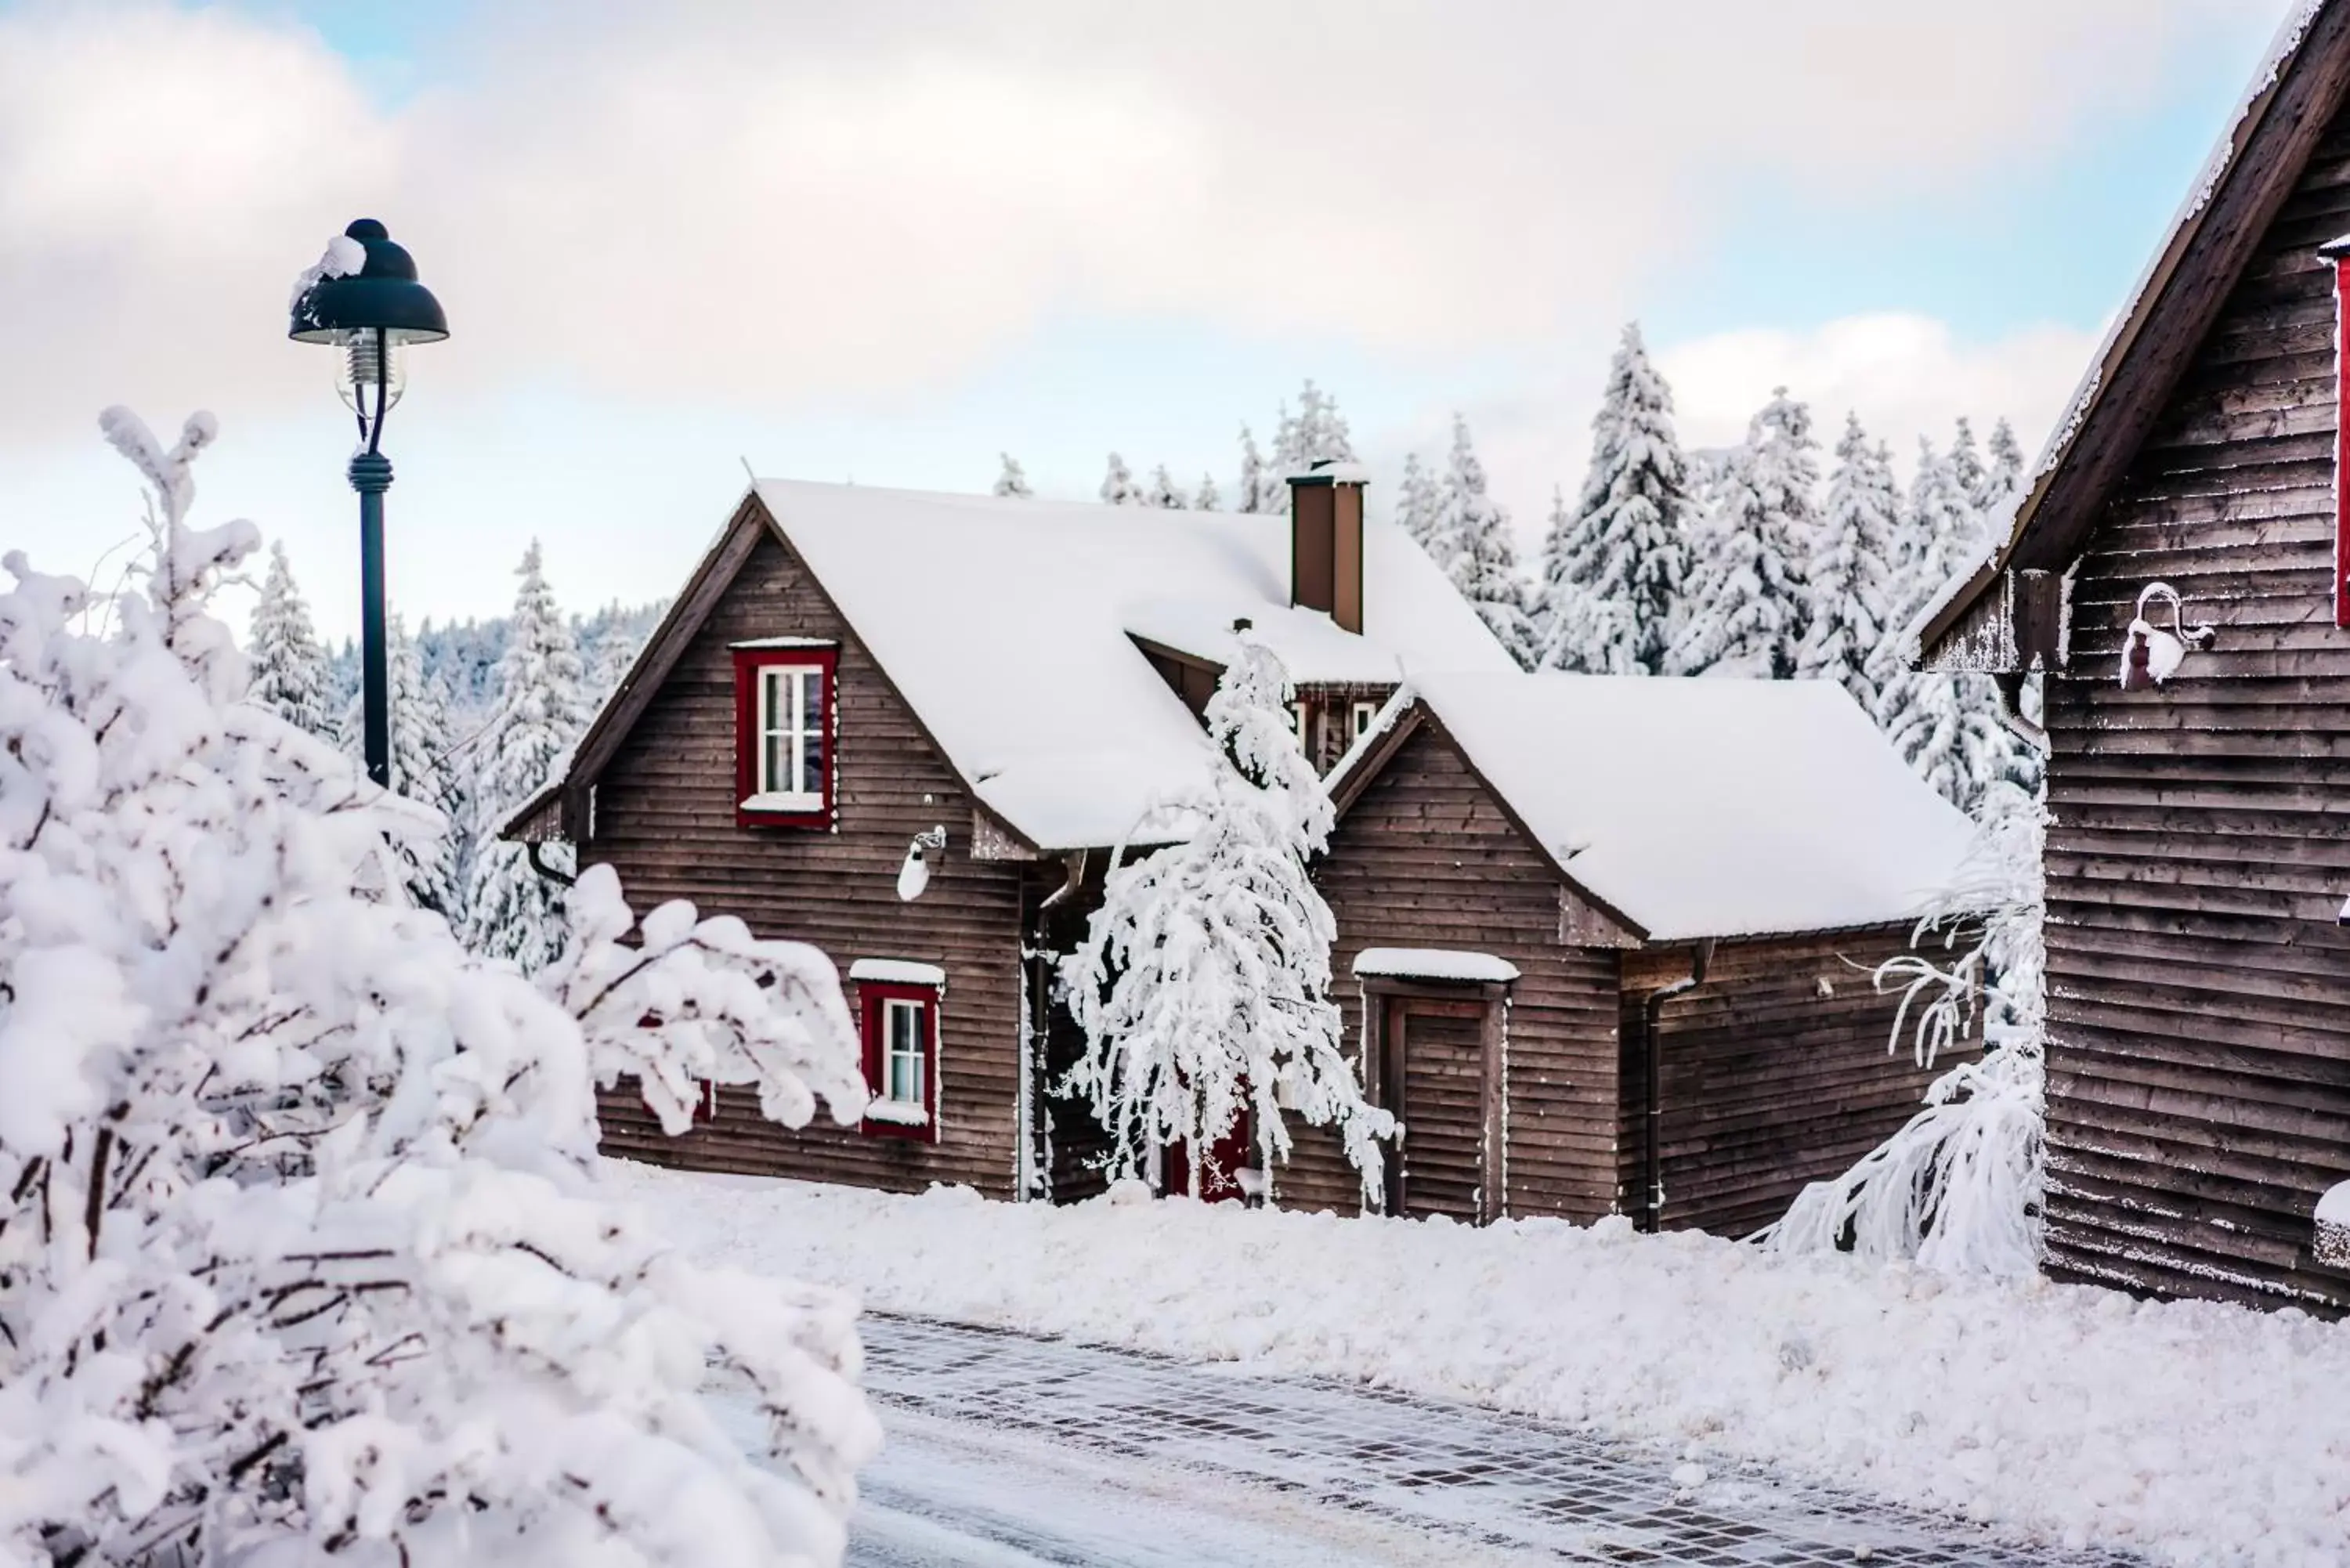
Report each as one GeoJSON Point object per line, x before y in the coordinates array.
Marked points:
{"type": "Point", "coordinates": [1203, 983]}
{"type": "Point", "coordinates": [301, 1247]}
{"type": "Point", "coordinates": [1959, 1187]}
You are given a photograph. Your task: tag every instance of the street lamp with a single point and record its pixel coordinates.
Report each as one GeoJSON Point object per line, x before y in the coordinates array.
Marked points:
{"type": "Point", "coordinates": [363, 299]}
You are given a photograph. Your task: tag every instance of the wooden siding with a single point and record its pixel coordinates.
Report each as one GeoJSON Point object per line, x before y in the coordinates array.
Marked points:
{"type": "Point", "coordinates": [1425, 858]}
{"type": "Point", "coordinates": [665, 820]}
{"type": "Point", "coordinates": [2199, 987]}
{"type": "Point", "coordinates": [1777, 1073]}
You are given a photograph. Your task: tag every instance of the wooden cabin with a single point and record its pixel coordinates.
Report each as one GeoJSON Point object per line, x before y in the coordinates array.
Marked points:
{"type": "Point", "coordinates": [2199, 848]}
{"type": "Point", "coordinates": [908, 728]}
{"type": "Point", "coordinates": [854, 677]}
{"type": "Point", "coordinates": [1611, 940]}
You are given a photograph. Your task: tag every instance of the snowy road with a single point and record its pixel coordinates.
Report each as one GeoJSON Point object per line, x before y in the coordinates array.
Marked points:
{"type": "Point", "coordinates": [1009, 1452]}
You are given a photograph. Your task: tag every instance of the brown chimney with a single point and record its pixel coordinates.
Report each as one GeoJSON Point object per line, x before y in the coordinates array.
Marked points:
{"type": "Point", "coordinates": [1326, 540]}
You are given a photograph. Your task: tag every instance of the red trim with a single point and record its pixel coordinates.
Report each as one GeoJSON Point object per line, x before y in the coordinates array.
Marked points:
{"type": "Point", "coordinates": [705, 1102]}
{"type": "Point", "coordinates": [2341, 448]}
{"type": "Point", "coordinates": [748, 662]}
{"type": "Point", "coordinates": [870, 995]}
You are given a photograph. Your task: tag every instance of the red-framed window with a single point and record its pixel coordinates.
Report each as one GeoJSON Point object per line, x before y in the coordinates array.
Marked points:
{"type": "Point", "coordinates": [786, 734]}
{"type": "Point", "coordinates": [900, 1024]}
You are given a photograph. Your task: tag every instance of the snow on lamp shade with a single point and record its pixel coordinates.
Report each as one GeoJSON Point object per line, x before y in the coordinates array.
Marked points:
{"type": "Point", "coordinates": [914, 875]}
{"type": "Point", "coordinates": [2331, 1244]}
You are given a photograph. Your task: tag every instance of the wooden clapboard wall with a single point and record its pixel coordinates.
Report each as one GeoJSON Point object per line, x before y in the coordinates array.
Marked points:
{"type": "Point", "coordinates": [665, 820]}
{"type": "Point", "coordinates": [2198, 986]}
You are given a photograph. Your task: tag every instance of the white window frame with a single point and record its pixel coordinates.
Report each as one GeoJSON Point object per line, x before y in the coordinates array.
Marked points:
{"type": "Point", "coordinates": [804, 681]}
{"type": "Point", "coordinates": [888, 1104]}
{"type": "Point", "coordinates": [1363, 715]}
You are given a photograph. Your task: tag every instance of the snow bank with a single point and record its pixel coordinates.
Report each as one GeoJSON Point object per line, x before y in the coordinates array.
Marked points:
{"type": "Point", "coordinates": [2196, 1433]}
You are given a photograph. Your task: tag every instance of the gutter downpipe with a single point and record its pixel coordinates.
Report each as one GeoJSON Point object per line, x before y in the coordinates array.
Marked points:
{"type": "Point", "coordinates": [1652, 1047]}
{"type": "Point", "coordinates": [2011, 713]}
{"type": "Point", "coordinates": [535, 851]}
{"type": "Point", "coordinates": [1040, 1024]}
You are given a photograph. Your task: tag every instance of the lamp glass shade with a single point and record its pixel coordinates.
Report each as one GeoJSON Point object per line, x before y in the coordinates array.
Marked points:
{"type": "Point", "coordinates": [380, 294]}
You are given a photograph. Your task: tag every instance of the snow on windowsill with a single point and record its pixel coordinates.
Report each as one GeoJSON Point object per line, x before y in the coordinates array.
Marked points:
{"type": "Point", "coordinates": [757, 642]}
{"type": "Point", "coordinates": [897, 1113]}
{"type": "Point", "coordinates": [1434, 963]}
{"type": "Point", "coordinates": [898, 972]}
{"type": "Point", "coordinates": [791, 802]}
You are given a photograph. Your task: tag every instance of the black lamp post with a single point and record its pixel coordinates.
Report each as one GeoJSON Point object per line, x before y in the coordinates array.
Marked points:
{"type": "Point", "coordinates": [369, 311]}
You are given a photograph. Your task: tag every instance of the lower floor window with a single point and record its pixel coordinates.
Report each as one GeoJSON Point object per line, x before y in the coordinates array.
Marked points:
{"type": "Point", "coordinates": [902, 1045]}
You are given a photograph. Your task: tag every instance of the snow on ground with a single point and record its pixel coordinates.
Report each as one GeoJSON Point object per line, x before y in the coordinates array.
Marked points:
{"type": "Point", "coordinates": [2198, 1433]}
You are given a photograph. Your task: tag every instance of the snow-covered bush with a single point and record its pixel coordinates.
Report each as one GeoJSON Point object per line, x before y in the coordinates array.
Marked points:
{"type": "Point", "coordinates": [302, 1251]}
{"type": "Point", "coordinates": [1959, 1187]}
{"type": "Point", "coordinates": [1203, 984]}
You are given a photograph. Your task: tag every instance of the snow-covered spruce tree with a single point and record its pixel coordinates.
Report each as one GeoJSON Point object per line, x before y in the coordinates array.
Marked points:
{"type": "Point", "coordinates": [302, 1254]}
{"type": "Point", "coordinates": [1476, 529]}
{"type": "Point", "coordinates": [1959, 1188]}
{"type": "Point", "coordinates": [431, 864]}
{"type": "Point", "coordinates": [1627, 541]}
{"type": "Point", "coordinates": [1418, 508]}
{"type": "Point", "coordinates": [289, 667]}
{"type": "Point", "coordinates": [1203, 983]}
{"type": "Point", "coordinates": [1014, 480]}
{"type": "Point", "coordinates": [512, 911]}
{"type": "Point", "coordinates": [1208, 498]}
{"type": "Point", "coordinates": [1849, 579]}
{"type": "Point", "coordinates": [608, 658]}
{"type": "Point", "coordinates": [1117, 486]}
{"type": "Point", "coordinates": [1257, 483]}
{"type": "Point", "coordinates": [1162, 492]}
{"type": "Point", "coordinates": [2002, 477]}
{"type": "Point", "coordinates": [1747, 601]}
{"type": "Point", "coordinates": [1317, 434]}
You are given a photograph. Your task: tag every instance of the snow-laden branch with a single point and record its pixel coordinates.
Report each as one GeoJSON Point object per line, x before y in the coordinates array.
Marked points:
{"type": "Point", "coordinates": [1203, 983]}
{"type": "Point", "coordinates": [1959, 1188]}
{"type": "Point", "coordinates": [301, 1244]}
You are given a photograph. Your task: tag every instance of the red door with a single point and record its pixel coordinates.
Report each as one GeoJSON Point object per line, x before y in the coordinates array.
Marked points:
{"type": "Point", "coordinates": [1220, 1176]}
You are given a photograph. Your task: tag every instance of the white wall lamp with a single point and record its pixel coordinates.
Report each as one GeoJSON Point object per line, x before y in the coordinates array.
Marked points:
{"type": "Point", "coordinates": [914, 875]}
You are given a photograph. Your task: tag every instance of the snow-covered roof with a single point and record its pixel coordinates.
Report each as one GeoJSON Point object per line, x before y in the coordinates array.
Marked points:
{"type": "Point", "coordinates": [1704, 807]}
{"type": "Point", "coordinates": [897, 971]}
{"type": "Point", "coordinates": [1009, 625]}
{"type": "Point", "coordinates": [1434, 963]}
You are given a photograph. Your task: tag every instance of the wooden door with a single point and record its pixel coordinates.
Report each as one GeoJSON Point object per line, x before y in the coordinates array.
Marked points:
{"type": "Point", "coordinates": [1434, 1079]}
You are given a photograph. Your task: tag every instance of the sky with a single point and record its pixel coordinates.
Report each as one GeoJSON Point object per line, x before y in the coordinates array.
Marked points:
{"type": "Point", "coordinates": [886, 242]}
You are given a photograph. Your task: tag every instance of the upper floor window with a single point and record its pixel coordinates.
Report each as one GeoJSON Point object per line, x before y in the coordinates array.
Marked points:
{"type": "Point", "coordinates": [1363, 715]}
{"type": "Point", "coordinates": [785, 729]}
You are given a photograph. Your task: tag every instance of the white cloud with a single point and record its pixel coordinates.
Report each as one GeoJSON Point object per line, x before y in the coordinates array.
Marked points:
{"type": "Point", "coordinates": [774, 204]}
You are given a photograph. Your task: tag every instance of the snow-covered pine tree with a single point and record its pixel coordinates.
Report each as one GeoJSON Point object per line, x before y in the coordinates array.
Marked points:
{"type": "Point", "coordinates": [1208, 498]}
{"type": "Point", "coordinates": [1256, 482]}
{"type": "Point", "coordinates": [1627, 541]}
{"type": "Point", "coordinates": [420, 735]}
{"type": "Point", "coordinates": [1967, 470]}
{"type": "Point", "coordinates": [1747, 609]}
{"type": "Point", "coordinates": [1203, 986]}
{"type": "Point", "coordinates": [289, 668]}
{"type": "Point", "coordinates": [512, 911]}
{"type": "Point", "coordinates": [1418, 508]}
{"type": "Point", "coordinates": [1117, 486]}
{"type": "Point", "coordinates": [1014, 480]}
{"type": "Point", "coordinates": [1849, 578]}
{"type": "Point", "coordinates": [2003, 481]}
{"type": "Point", "coordinates": [1163, 492]}
{"type": "Point", "coordinates": [1476, 529]}
{"type": "Point", "coordinates": [608, 658]}
{"type": "Point", "coordinates": [1317, 434]}
{"type": "Point", "coordinates": [307, 1257]}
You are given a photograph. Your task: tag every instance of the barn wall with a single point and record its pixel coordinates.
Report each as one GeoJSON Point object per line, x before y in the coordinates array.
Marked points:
{"type": "Point", "coordinates": [1425, 858]}
{"type": "Point", "coordinates": [665, 821]}
{"type": "Point", "coordinates": [2198, 986]}
{"type": "Point", "coordinates": [1777, 1073]}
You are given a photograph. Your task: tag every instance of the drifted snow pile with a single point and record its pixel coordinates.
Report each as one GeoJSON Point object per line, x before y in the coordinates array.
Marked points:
{"type": "Point", "coordinates": [2200, 1434]}
{"type": "Point", "coordinates": [302, 1248]}
{"type": "Point", "coordinates": [1960, 1187]}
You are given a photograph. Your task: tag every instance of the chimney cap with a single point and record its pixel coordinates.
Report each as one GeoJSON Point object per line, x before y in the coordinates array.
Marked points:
{"type": "Point", "coordinates": [1329, 470]}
